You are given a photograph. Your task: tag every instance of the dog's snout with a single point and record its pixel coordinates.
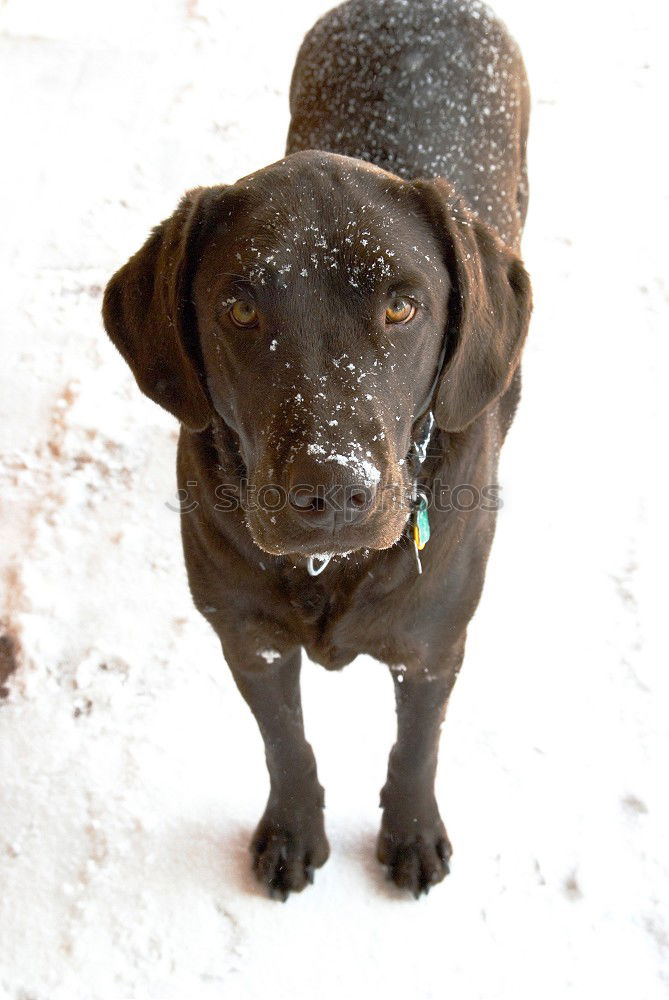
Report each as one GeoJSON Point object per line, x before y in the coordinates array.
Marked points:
{"type": "Point", "coordinates": [330, 507]}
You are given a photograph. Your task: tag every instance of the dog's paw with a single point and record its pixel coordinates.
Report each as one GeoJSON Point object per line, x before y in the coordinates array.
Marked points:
{"type": "Point", "coordinates": [286, 854]}
{"type": "Point", "coordinates": [416, 854]}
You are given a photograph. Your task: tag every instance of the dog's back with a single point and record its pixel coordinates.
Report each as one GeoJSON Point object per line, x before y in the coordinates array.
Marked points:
{"type": "Point", "coordinates": [423, 88]}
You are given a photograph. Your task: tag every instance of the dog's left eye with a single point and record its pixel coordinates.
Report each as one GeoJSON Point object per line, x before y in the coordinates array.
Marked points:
{"type": "Point", "coordinates": [400, 310]}
{"type": "Point", "coordinates": [243, 314]}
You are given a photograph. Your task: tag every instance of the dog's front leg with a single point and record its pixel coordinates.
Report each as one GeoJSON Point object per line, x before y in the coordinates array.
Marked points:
{"type": "Point", "coordinates": [289, 842]}
{"type": "Point", "coordinates": [413, 842]}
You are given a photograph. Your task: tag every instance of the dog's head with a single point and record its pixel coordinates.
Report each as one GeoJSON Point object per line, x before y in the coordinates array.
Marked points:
{"type": "Point", "coordinates": [319, 307]}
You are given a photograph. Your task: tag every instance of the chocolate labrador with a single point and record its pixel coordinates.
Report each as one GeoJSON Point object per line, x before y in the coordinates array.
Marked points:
{"type": "Point", "coordinates": [339, 335]}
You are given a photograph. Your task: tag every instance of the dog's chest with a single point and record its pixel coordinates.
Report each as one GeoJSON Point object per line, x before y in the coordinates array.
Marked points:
{"type": "Point", "coordinates": [336, 620]}
{"type": "Point", "coordinates": [309, 600]}
{"type": "Point", "coordinates": [327, 619]}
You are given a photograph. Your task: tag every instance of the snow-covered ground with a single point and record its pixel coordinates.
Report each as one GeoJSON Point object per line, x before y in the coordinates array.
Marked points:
{"type": "Point", "coordinates": [131, 771]}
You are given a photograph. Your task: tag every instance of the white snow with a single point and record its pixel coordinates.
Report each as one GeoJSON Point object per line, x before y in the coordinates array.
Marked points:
{"type": "Point", "coordinates": [269, 655]}
{"type": "Point", "coordinates": [132, 774]}
{"type": "Point", "coordinates": [362, 467]}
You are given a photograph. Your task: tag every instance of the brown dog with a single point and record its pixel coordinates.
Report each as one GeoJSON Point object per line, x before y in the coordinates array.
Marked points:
{"type": "Point", "coordinates": [304, 324]}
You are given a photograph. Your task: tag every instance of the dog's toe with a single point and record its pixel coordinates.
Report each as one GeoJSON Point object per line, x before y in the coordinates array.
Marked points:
{"type": "Point", "coordinates": [417, 861]}
{"type": "Point", "coordinates": [417, 867]}
{"type": "Point", "coordinates": [284, 859]}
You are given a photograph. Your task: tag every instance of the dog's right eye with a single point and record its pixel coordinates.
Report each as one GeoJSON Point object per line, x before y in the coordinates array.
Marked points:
{"type": "Point", "coordinates": [400, 310]}
{"type": "Point", "coordinates": [243, 314]}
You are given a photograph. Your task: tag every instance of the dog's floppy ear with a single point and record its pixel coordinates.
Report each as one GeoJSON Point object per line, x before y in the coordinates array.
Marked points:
{"type": "Point", "coordinates": [148, 315]}
{"type": "Point", "coordinates": [488, 310]}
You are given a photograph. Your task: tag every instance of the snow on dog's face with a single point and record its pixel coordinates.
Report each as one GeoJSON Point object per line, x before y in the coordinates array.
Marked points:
{"type": "Point", "coordinates": [317, 307]}
{"type": "Point", "coordinates": [321, 306]}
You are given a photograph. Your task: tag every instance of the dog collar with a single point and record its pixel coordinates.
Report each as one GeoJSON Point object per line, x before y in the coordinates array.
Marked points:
{"type": "Point", "coordinates": [316, 564]}
{"type": "Point", "coordinates": [420, 446]}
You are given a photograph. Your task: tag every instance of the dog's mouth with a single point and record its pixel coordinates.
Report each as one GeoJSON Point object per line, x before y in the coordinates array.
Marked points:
{"type": "Point", "coordinates": [305, 553]}
{"type": "Point", "coordinates": [314, 524]}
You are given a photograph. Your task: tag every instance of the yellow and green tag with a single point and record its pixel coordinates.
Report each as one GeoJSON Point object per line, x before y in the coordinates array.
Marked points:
{"type": "Point", "coordinates": [421, 523]}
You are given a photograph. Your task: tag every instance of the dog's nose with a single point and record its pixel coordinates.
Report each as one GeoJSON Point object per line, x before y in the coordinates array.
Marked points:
{"type": "Point", "coordinates": [330, 507]}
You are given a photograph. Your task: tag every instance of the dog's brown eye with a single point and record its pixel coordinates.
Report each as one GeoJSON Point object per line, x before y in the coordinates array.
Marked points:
{"type": "Point", "coordinates": [400, 311]}
{"type": "Point", "coordinates": [243, 313]}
